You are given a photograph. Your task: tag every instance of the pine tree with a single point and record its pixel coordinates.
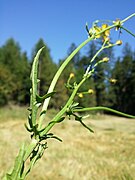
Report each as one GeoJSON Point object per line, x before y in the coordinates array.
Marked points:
{"type": "Point", "coordinates": [24, 94]}
{"type": "Point", "coordinates": [88, 99]}
{"type": "Point", "coordinates": [101, 76]}
{"type": "Point", "coordinates": [16, 69]}
{"type": "Point", "coordinates": [124, 88]}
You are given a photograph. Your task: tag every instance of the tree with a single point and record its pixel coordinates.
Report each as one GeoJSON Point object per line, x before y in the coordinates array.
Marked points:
{"type": "Point", "coordinates": [124, 88]}
{"type": "Point", "coordinates": [101, 76]}
{"type": "Point", "coordinates": [6, 84]}
{"type": "Point", "coordinates": [62, 91]}
{"type": "Point", "coordinates": [17, 70]}
{"type": "Point", "coordinates": [76, 58]}
{"type": "Point", "coordinates": [24, 95]}
{"type": "Point", "coordinates": [72, 66]}
{"type": "Point", "coordinates": [89, 99]}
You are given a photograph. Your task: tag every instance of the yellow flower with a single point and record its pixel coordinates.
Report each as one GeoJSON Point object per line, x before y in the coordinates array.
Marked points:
{"type": "Point", "coordinates": [80, 95]}
{"type": "Point", "coordinates": [71, 75]}
{"type": "Point", "coordinates": [91, 91]}
{"type": "Point", "coordinates": [118, 23]}
{"type": "Point", "coordinates": [96, 31]}
{"type": "Point", "coordinates": [107, 32]}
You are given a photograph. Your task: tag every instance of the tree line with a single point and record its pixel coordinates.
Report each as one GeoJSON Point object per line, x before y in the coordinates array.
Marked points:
{"type": "Point", "coordinates": [112, 84]}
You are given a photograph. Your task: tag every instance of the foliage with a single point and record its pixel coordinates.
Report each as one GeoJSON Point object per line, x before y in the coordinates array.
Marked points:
{"type": "Point", "coordinates": [15, 70]}
{"type": "Point", "coordinates": [124, 88]}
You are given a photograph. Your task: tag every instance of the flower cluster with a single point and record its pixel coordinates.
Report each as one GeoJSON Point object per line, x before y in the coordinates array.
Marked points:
{"type": "Point", "coordinates": [100, 32]}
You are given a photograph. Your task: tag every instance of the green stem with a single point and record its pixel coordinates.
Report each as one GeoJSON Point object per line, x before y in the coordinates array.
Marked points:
{"type": "Point", "coordinates": [127, 18]}
{"type": "Point", "coordinates": [62, 67]}
{"type": "Point", "coordinates": [30, 148]}
{"type": "Point", "coordinates": [128, 31]}
{"type": "Point", "coordinates": [103, 108]}
{"type": "Point", "coordinates": [57, 75]}
{"type": "Point", "coordinates": [64, 109]}
{"type": "Point", "coordinates": [94, 57]}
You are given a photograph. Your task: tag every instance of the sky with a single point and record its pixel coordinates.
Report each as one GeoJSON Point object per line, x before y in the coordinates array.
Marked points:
{"type": "Point", "coordinates": [59, 22]}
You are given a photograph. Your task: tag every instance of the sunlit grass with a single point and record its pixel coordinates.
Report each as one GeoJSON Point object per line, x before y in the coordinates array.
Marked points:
{"type": "Point", "coordinates": [13, 112]}
{"type": "Point", "coordinates": [108, 154]}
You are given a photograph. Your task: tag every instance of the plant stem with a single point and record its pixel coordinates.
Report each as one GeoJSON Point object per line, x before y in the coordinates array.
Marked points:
{"type": "Point", "coordinates": [62, 67]}
{"type": "Point", "coordinates": [103, 108]}
{"type": "Point", "coordinates": [94, 57]}
{"type": "Point", "coordinates": [127, 18]}
{"type": "Point", "coordinates": [57, 75]}
{"type": "Point", "coordinates": [64, 109]}
{"type": "Point", "coordinates": [128, 31]}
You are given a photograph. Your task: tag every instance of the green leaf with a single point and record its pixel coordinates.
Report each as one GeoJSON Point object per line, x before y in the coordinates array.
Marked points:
{"type": "Point", "coordinates": [36, 155]}
{"type": "Point", "coordinates": [18, 166]}
{"type": "Point", "coordinates": [57, 138]}
{"type": "Point", "coordinates": [30, 148]}
{"type": "Point", "coordinates": [74, 105]}
{"type": "Point", "coordinates": [84, 125]}
{"type": "Point", "coordinates": [30, 121]}
{"type": "Point", "coordinates": [40, 99]}
{"type": "Point", "coordinates": [50, 135]}
{"type": "Point", "coordinates": [43, 112]}
{"type": "Point", "coordinates": [34, 78]}
{"type": "Point", "coordinates": [58, 121]}
{"type": "Point", "coordinates": [28, 129]}
{"type": "Point", "coordinates": [79, 118]}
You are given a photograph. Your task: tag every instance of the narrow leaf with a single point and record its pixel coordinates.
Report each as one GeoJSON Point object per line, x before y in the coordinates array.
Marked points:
{"type": "Point", "coordinates": [40, 99]}
{"type": "Point", "coordinates": [34, 77]}
{"type": "Point", "coordinates": [19, 164]}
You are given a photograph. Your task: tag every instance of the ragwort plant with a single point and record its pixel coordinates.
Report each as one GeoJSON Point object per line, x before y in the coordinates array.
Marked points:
{"type": "Point", "coordinates": [30, 153]}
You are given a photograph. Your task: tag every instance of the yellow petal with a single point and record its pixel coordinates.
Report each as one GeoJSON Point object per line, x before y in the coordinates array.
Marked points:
{"type": "Point", "coordinates": [104, 26]}
{"type": "Point", "coordinates": [97, 30]}
{"type": "Point", "coordinates": [107, 32]}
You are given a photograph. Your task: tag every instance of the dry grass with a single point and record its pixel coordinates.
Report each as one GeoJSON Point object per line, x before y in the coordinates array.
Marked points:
{"type": "Point", "coordinates": [108, 154]}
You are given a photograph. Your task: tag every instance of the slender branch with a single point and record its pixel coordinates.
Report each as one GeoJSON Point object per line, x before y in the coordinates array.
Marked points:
{"type": "Point", "coordinates": [104, 108]}
{"type": "Point", "coordinates": [127, 18]}
{"type": "Point", "coordinates": [64, 109]}
{"type": "Point", "coordinates": [57, 75]}
{"type": "Point", "coordinates": [128, 31]}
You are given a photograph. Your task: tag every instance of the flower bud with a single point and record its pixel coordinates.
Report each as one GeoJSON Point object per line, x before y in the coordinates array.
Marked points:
{"type": "Point", "coordinates": [105, 59]}
{"type": "Point", "coordinates": [80, 95]}
{"type": "Point", "coordinates": [72, 75]}
{"type": "Point", "coordinates": [91, 91]}
{"type": "Point", "coordinates": [113, 81]}
{"type": "Point", "coordinates": [119, 42]}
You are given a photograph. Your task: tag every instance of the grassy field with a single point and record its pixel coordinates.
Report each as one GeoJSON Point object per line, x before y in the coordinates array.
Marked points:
{"type": "Point", "coordinates": [107, 154]}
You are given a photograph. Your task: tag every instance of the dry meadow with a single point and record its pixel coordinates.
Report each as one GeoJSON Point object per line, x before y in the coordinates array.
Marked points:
{"type": "Point", "coordinates": [106, 154]}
